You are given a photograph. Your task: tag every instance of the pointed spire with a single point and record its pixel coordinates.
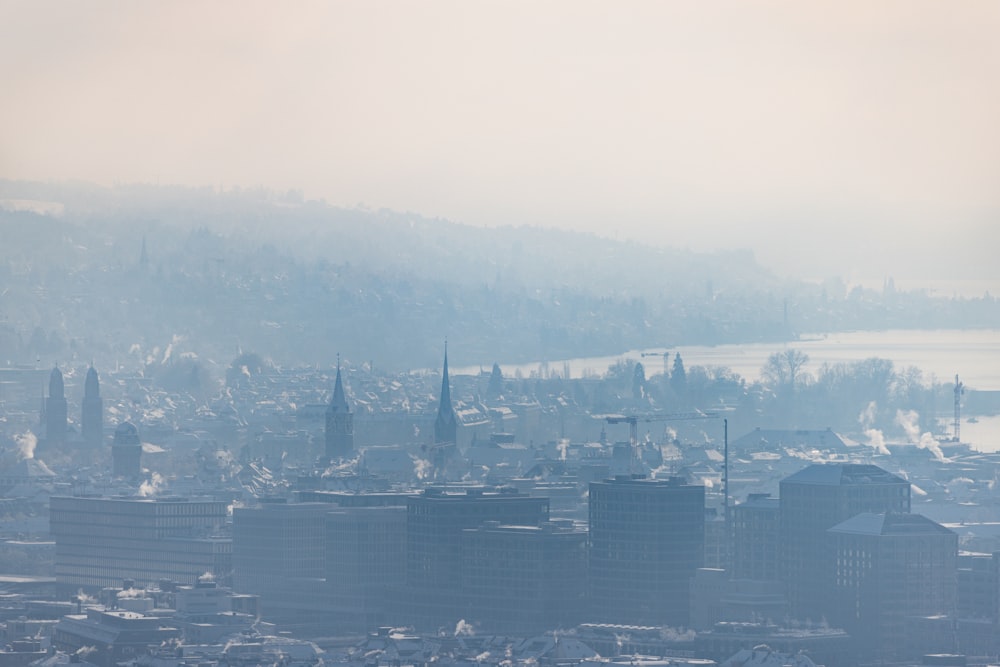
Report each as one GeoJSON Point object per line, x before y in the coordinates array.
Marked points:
{"type": "Point", "coordinates": [445, 426]}
{"type": "Point", "coordinates": [445, 384]}
{"type": "Point", "coordinates": [339, 400]}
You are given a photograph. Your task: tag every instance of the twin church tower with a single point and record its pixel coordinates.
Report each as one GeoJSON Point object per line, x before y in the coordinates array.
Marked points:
{"type": "Point", "coordinates": [54, 421]}
{"type": "Point", "coordinates": [340, 421]}
{"type": "Point", "coordinates": [126, 448]}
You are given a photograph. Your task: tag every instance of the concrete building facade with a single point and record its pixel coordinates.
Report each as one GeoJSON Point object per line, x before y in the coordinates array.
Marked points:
{"type": "Point", "coordinates": [814, 500]}
{"type": "Point", "coordinates": [646, 542]}
{"type": "Point", "coordinates": [435, 521]}
{"type": "Point", "coordinates": [889, 567]}
{"type": "Point", "coordinates": [102, 541]}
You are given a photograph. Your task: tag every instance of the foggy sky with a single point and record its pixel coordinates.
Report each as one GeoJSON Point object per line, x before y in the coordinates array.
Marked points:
{"type": "Point", "coordinates": [835, 138]}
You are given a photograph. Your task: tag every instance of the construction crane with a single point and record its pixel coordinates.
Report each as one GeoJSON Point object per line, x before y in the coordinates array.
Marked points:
{"type": "Point", "coordinates": [633, 428]}
{"type": "Point", "coordinates": [633, 422]}
{"type": "Point", "coordinates": [665, 354]}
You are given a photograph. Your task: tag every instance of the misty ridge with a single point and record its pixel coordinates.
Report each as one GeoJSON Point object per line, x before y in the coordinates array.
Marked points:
{"type": "Point", "coordinates": [117, 274]}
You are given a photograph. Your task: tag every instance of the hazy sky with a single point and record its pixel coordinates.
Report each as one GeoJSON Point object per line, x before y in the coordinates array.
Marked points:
{"type": "Point", "coordinates": [852, 138]}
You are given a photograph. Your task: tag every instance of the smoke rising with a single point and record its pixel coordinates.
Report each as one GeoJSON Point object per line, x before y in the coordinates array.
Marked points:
{"type": "Point", "coordinates": [25, 444]}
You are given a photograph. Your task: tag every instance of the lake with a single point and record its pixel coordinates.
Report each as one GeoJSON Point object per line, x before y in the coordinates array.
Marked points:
{"type": "Point", "coordinates": [974, 354]}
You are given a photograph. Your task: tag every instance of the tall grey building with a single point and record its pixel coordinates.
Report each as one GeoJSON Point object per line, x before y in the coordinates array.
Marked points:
{"type": "Point", "coordinates": [890, 566]}
{"type": "Point", "coordinates": [524, 580]}
{"type": "Point", "coordinates": [814, 500]}
{"type": "Point", "coordinates": [279, 553]}
{"type": "Point", "coordinates": [435, 520]}
{"type": "Point", "coordinates": [756, 538]}
{"type": "Point", "coordinates": [365, 563]}
{"type": "Point", "coordinates": [647, 540]}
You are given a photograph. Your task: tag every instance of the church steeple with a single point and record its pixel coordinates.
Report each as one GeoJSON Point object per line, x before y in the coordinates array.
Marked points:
{"type": "Point", "coordinates": [92, 417]}
{"type": "Point", "coordinates": [445, 426]}
{"type": "Point", "coordinates": [339, 400]}
{"type": "Point", "coordinates": [55, 410]}
{"type": "Point", "coordinates": [339, 422]}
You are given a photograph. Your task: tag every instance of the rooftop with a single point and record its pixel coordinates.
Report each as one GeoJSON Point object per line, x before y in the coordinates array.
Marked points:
{"type": "Point", "coordinates": [838, 474]}
{"type": "Point", "coordinates": [891, 523]}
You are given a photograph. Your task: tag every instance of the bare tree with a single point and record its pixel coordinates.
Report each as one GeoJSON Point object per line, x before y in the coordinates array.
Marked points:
{"type": "Point", "coordinates": [784, 369]}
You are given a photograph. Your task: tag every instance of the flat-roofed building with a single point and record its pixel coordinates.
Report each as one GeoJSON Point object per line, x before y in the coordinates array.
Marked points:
{"type": "Point", "coordinates": [756, 537]}
{"type": "Point", "coordinates": [102, 541]}
{"type": "Point", "coordinates": [647, 539]}
{"type": "Point", "coordinates": [365, 562]}
{"type": "Point", "coordinates": [525, 580]}
{"type": "Point", "coordinates": [434, 596]}
{"type": "Point", "coordinates": [279, 553]}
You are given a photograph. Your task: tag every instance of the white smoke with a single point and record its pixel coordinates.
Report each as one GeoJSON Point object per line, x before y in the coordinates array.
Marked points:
{"type": "Point", "coordinates": [463, 629]}
{"type": "Point", "coordinates": [207, 577]}
{"type": "Point", "coordinates": [170, 348]}
{"type": "Point", "coordinates": [84, 599]}
{"type": "Point", "coordinates": [867, 416]}
{"type": "Point", "coordinates": [909, 421]}
{"type": "Point", "coordinates": [674, 635]}
{"type": "Point", "coordinates": [152, 486]}
{"type": "Point", "coordinates": [130, 593]}
{"type": "Point", "coordinates": [422, 468]}
{"type": "Point", "coordinates": [150, 448]}
{"type": "Point", "coordinates": [25, 444]}
{"type": "Point", "coordinates": [876, 440]}
{"type": "Point", "coordinates": [84, 651]}
{"type": "Point", "coordinates": [928, 442]}
{"type": "Point", "coordinates": [563, 447]}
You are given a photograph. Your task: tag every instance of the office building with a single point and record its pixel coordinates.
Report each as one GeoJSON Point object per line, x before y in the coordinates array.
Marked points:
{"type": "Point", "coordinates": [890, 566]}
{"type": "Point", "coordinates": [435, 522]}
{"type": "Point", "coordinates": [365, 563]}
{"type": "Point", "coordinates": [814, 500]}
{"type": "Point", "coordinates": [524, 580]}
{"type": "Point", "coordinates": [756, 537]}
{"type": "Point", "coordinates": [102, 541]}
{"type": "Point", "coordinates": [279, 553]}
{"type": "Point", "coordinates": [646, 542]}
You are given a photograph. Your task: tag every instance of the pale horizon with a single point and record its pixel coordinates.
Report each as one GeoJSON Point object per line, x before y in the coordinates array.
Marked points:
{"type": "Point", "coordinates": [832, 139]}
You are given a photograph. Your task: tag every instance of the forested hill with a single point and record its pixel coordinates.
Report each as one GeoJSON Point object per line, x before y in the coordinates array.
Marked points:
{"type": "Point", "coordinates": [299, 281]}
